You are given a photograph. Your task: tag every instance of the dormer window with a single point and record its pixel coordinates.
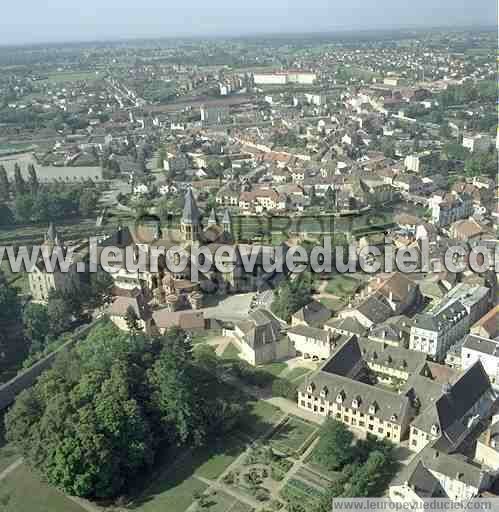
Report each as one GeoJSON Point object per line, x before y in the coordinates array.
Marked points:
{"type": "Point", "coordinates": [324, 392]}
{"type": "Point", "coordinates": [393, 419]}
{"type": "Point", "coordinates": [373, 408]}
{"type": "Point", "coordinates": [311, 387]}
{"type": "Point", "coordinates": [435, 429]}
{"type": "Point", "coordinates": [340, 397]}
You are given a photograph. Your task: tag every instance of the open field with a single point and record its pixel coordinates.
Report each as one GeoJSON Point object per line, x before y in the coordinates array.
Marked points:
{"type": "Point", "coordinates": [23, 491]}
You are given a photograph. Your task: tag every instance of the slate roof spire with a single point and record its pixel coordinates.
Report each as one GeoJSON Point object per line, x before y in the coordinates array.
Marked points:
{"type": "Point", "coordinates": [191, 213]}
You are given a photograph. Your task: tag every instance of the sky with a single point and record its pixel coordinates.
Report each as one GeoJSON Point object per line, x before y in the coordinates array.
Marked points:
{"type": "Point", "coordinates": [30, 21]}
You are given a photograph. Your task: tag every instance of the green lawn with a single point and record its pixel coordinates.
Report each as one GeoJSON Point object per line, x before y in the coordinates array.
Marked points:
{"type": "Point", "coordinates": [22, 491]}
{"type": "Point", "coordinates": [342, 286]}
{"type": "Point", "coordinates": [261, 416]}
{"type": "Point", "coordinates": [274, 368]}
{"type": "Point", "coordinates": [291, 436]}
{"type": "Point", "coordinates": [216, 458]}
{"type": "Point", "coordinates": [296, 373]}
{"type": "Point", "coordinates": [173, 490]}
{"type": "Point", "coordinates": [219, 501]}
{"type": "Point", "coordinates": [334, 305]}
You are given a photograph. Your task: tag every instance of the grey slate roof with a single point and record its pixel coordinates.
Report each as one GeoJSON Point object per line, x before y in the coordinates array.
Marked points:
{"type": "Point", "coordinates": [191, 213]}
{"type": "Point", "coordinates": [479, 344]}
{"type": "Point", "coordinates": [419, 474]}
{"type": "Point", "coordinates": [261, 328]}
{"type": "Point", "coordinates": [313, 313]}
{"type": "Point", "coordinates": [389, 406]}
{"type": "Point", "coordinates": [348, 324]}
{"type": "Point", "coordinates": [449, 410]}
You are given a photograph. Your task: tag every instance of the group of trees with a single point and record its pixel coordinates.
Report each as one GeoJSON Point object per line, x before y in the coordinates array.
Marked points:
{"type": "Point", "coordinates": [366, 466]}
{"type": "Point", "coordinates": [26, 333]}
{"type": "Point", "coordinates": [13, 346]}
{"type": "Point", "coordinates": [93, 423]}
{"type": "Point", "coordinates": [36, 202]}
{"type": "Point", "coordinates": [292, 295]}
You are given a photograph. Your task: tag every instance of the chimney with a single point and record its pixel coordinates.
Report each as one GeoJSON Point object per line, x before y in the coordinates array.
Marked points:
{"type": "Point", "coordinates": [437, 454]}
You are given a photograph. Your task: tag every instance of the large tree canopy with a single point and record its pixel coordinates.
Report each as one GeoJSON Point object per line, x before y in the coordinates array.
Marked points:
{"type": "Point", "coordinates": [94, 422]}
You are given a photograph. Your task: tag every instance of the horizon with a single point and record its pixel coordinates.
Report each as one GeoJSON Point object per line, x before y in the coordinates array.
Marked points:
{"type": "Point", "coordinates": [125, 21]}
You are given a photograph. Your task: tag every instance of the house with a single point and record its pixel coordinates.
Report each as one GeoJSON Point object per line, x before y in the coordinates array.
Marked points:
{"type": "Point", "coordinates": [43, 280]}
{"type": "Point", "coordinates": [478, 142]}
{"type": "Point", "coordinates": [348, 326]}
{"type": "Point", "coordinates": [120, 307]}
{"type": "Point", "coordinates": [389, 295]}
{"type": "Point", "coordinates": [488, 325]}
{"type": "Point", "coordinates": [487, 447]}
{"type": "Point", "coordinates": [311, 343]}
{"type": "Point", "coordinates": [449, 320]}
{"type": "Point", "coordinates": [188, 320]}
{"type": "Point", "coordinates": [434, 474]}
{"type": "Point", "coordinates": [364, 408]}
{"type": "Point", "coordinates": [475, 348]}
{"type": "Point", "coordinates": [450, 207]}
{"type": "Point", "coordinates": [314, 314]}
{"type": "Point", "coordinates": [449, 411]}
{"type": "Point", "coordinates": [262, 338]}
{"type": "Point", "coordinates": [468, 229]}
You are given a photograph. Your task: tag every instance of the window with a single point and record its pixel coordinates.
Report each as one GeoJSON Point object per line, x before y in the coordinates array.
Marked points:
{"type": "Point", "coordinates": [388, 434]}
{"type": "Point", "coordinates": [371, 427]}
{"type": "Point", "coordinates": [380, 430]}
{"type": "Point", "coordinates": [302, 403]}
{"type": "Point", "coordinates": [362, 423]}
{"type": "Point", "coordinates": [414, 442]}
{"type": "Point", "coordinates": [338, 415]}
{"type": "Point", "coordinates": [321, 409]}
{"type": "Point", "coordinates": [354, 421]}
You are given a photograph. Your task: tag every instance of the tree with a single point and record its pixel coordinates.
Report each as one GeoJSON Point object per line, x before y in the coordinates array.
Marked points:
{"type": "Point", "coordinates": [132, 320]}
{"type": "Point", "coordinates": [24, 208]}
{"type": "Point", "coordinates": [4, 185]}
{"type": "Point", "coordinates": [174, 394]}
{"type": "Point", "coordinates": [292, 295]}
{"type": "Point", "coordinates": [59, 313]}
{"type": "Point", "coordinates": [101, 285]}
{"type": "Point", "coordinates": [335, 448]}
{"type": "Point", "coordinates": [19, 184]}
{"type": "Point", "coordinates": [13, 347]}
{"type": "Point", "coordinates": [88, 202]}
{"type": "Point", "coordinates": [36, 325]}
{"type": "Point", "coordinates": [33, 179]}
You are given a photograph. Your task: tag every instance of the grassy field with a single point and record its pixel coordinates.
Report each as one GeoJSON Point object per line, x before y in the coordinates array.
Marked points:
{"type": "Point", "coordinates": [342, 286]}
{"type": "Point", "coordinates": [219, 501]}
{"type": "Point", "coordinates": [274, 369]}
{"type": "Point", "coordinates": [295, 373]}
{"type": "Point", "coordinates": [291, 436]}
{"type": "Point", "coordinates": [23, 491]}
{"type": "Point", "coordinates": [260, 418]}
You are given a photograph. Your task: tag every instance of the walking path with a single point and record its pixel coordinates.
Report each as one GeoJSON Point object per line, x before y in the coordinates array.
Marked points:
{"type": "Point", "coordinates": [6, 472]}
